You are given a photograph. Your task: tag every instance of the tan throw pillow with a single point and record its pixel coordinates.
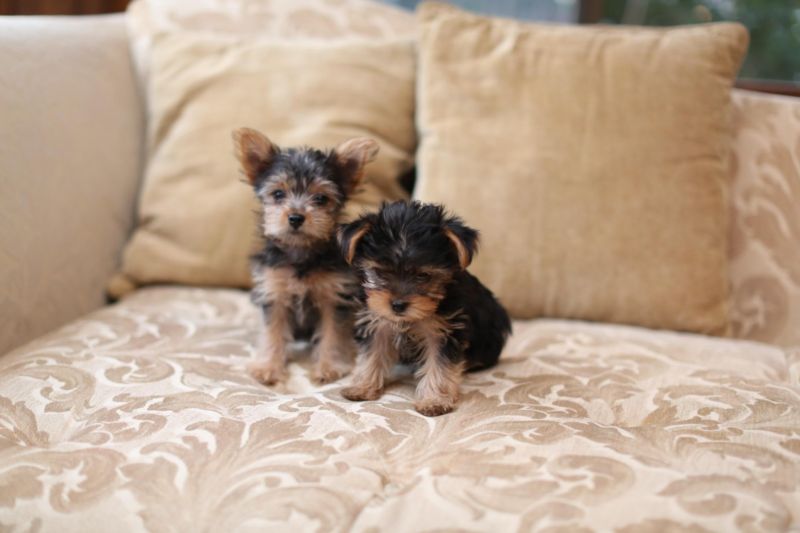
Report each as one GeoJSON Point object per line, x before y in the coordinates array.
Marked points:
{"type": "Point", "coordinates": [196, 216]}
{"type": "Point", "coordinates": [592, 159]}
{"type": "Point", "coordinates": [287, 21]}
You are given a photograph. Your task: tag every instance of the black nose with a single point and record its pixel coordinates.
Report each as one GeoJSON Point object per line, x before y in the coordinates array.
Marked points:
{"type": "Point", "coordinates": [398, 306]}
{"type": "Point", "coordinates": [296, 221]}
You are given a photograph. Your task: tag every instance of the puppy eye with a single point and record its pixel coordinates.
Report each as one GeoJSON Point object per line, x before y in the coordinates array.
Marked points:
{"type": "Point", "coordinates": [320, 199]}
{"type": "Point", "coordinates": [278, 195]}
{"type": "Point", "coordinates": [423, 276]}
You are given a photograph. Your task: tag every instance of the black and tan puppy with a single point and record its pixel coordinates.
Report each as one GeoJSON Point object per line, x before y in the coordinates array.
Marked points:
{"type": "Point", "coordinates": [300, 281]}
{"type": "Point", "coordinates": [420, 305]}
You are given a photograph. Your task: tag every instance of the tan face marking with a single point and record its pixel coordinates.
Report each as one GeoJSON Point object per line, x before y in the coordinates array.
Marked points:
{"type": "Point", "coordinates": [325, 188]}
{"type": "Point", "coordinates": [319, 204]}
{"type": "Point", "coordinates": [419, 307]}
{"type": "Point", "coordinates": [379, 302]}
{"type": "Point", "coordinates": [422, 302]}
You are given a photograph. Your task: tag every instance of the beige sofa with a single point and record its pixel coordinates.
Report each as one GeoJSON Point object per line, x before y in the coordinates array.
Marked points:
{"type": "Point", "coordinates": [141, 416]}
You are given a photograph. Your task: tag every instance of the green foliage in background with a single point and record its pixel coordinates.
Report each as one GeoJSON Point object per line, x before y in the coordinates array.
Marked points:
{"type": "Point", "coordinates": [774, 27]}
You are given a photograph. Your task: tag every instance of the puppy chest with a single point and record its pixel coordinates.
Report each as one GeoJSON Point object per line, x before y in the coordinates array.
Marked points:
{"type": "Point", "coordinates": [284, 285]}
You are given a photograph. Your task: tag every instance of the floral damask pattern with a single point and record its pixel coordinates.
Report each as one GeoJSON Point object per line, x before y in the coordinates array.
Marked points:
{"type": "Point", "coordinates": [143, 414]}
{"type": "Point", "coordinates": [765, 238]}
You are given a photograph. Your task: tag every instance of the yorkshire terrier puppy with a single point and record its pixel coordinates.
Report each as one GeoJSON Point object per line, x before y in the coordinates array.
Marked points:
{"type": "Point", "coordinates": [420, 305]}
{"type": "Point", "coordinates": [300, 281]}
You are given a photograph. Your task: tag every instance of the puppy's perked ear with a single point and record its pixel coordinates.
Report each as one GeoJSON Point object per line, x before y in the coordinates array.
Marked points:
{"type": "Point", "coordinates": [350, 236]}
{"type": "Point", "coordinates": [254, 151]}
{"type": "Point", "coordinates": [351, 157]}
{"type": "Point", "coordinates": [464, 239]}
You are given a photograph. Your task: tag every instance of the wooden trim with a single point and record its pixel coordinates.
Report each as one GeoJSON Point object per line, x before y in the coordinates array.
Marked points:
{"type": "Point", "coordinates": [61, 7]}
{"type": "Point", "coordinates": [590, 11]}
{"type": "Point", "coordinates": [770, 86]}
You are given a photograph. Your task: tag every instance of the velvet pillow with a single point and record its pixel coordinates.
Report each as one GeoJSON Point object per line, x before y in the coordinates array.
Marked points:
{"type": "Point", "coordinates": [295, 21]}
{"type": "Point", "coordinates": [196, 217]}
{"type": "Point", "coordinates": [592, 159]}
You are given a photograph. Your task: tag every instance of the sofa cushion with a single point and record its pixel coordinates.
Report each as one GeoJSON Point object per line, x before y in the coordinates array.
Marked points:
{"type": "Point", "coordinates": [308, 72]}
{"type": "Point", "coordinates": [592, 159]}
{"type": "Point", "coordinates": [296, 21]}
{"type": "Point", "coordinates": [143, 414]}
{"type": "Point", "coordinates": [196, 216]}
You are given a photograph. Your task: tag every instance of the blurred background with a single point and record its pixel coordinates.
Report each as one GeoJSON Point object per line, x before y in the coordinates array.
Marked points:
{"type": "Point", "coordinates": [773, 64]}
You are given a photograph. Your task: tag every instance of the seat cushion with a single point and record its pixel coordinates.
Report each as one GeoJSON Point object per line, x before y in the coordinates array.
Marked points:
{"type": "Point", "coordinates": [143, 414]}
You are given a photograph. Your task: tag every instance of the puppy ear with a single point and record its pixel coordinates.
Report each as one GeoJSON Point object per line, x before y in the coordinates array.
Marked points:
{"type": "Point", "coordinates": [351, 157]}
{"type": "Point", "coordinates": [350, 235]}
{"type": "Point", "coordinates": [254, 151]}
{"type": "Point", "coordinates": [464, 239]}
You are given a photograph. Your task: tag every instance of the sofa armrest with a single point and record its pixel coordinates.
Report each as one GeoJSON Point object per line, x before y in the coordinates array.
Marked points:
{"type": "Point", "coordinates": [70, 154]}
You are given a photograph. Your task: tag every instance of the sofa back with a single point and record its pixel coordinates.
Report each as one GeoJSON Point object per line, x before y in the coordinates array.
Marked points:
{"type": "Point", "coordinates": [70, 151]}
{"type": "Point", "coordinates": [70, 145]}
{"type": "Point", "coordinates": [765, 223]}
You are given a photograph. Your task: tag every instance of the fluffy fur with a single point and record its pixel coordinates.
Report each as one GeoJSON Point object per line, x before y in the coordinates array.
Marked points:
{"type": "Point", "coordinates": [419, 304]}
{"type": "Point", "coordinates": [300, 281]}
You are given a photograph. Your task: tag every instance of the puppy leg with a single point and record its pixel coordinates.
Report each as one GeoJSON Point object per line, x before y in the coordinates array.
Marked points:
{"type": "Point", "coordinates": [376, 360]}
{"type": "Point", "coordinates": [270, 367]}
{"type": "Point", "coordinates": [439, 379]}
{"type": "Point", "coordinates": [335, 345]}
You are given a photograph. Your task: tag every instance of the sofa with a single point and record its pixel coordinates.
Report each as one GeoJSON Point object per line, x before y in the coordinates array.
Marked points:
{"type": "Point", "coordinates": [139, 415]}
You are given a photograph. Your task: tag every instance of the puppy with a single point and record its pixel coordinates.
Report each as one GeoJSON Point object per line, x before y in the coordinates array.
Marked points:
{"type": "Point", "coordinates": [420, 305]}
{"type": "Point", "coordinates": [300, 281]}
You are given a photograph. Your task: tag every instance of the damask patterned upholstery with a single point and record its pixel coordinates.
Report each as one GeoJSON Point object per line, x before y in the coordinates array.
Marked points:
{"type": "Point", "coordinates": [143, 413]}
{"type": "Point", "coordinates": [141, 417]}
{"type": "Point", "coordinates": [765, 238]}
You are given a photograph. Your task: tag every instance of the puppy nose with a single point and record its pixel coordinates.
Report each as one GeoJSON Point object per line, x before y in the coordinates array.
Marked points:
{"type": "Point", "coordinates": [296, 220]}
{"type": "Point", "coordinates": [398, 306]}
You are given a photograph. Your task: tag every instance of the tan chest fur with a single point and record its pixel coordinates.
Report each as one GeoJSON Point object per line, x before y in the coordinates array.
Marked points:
{"type": "Point", "coordinates": [278, 285]}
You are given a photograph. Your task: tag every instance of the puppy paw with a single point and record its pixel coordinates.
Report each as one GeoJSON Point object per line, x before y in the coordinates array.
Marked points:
{"type": "Point", "coordinates": [435, 407]}
{"type": "Point", "coordinates": [360, 394]}
{"type": "Point", "coordinates": [267, 373]}
{"type": "Point", "coordinates": [326, 373]}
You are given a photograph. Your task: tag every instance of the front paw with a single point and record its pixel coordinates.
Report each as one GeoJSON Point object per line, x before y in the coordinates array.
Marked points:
{"type": "Point", "coordinates": [437, 407]}
{"type": "Point", "coordinates": [358, 393]}
{"type": "Point", "coordinates": [327, 373]}
{"type": "Point", "coordinates": [267, 373]}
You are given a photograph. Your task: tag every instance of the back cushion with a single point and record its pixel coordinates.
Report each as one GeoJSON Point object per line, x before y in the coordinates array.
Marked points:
{"type": "Point", "coordinates": [594, 160]}
{"type": "Point", "coordinates": [196, 216]}
{"type": "Point", "coordinates": [765, 229]}
{"type": "Point", "coordinates": [306, 72]}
